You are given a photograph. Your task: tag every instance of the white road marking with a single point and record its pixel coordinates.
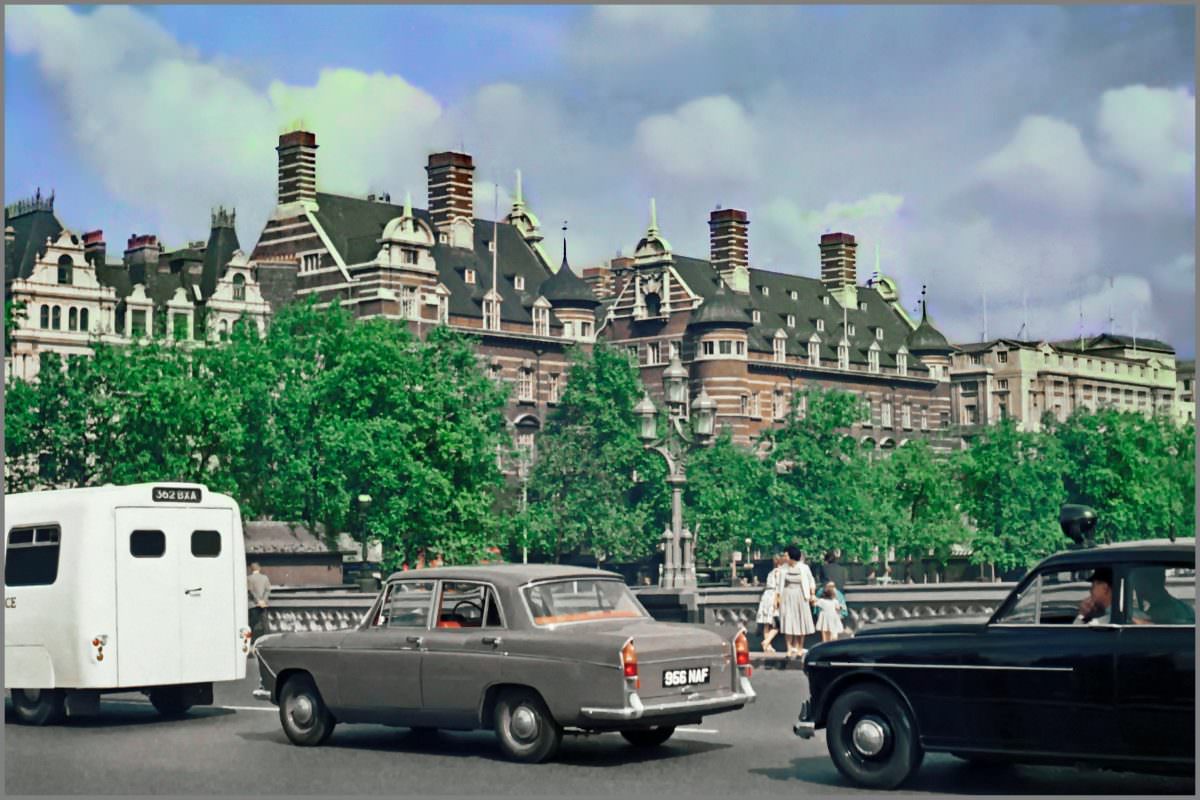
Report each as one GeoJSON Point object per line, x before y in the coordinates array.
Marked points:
{"type": "Point", "coordinates": [698, 730]}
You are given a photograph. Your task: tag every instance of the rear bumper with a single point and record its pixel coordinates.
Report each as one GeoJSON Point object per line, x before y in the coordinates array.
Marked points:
{"type": "Point", "coordinates": [804, 727]}
{"type": "Point", "coordinates": [636, 709]}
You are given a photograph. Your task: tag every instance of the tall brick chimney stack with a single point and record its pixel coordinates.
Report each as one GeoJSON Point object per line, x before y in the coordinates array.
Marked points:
{"type": "Point", "coordinates": [297, 167]}
{"type": "Point", "coordinates": [451, 191]}
{"type": "Point", "coordinates": [94, 248]}
{"type": "Point", "coordinates": [729, 247]}
{"type": "Point", "coordinates": [837, 267]}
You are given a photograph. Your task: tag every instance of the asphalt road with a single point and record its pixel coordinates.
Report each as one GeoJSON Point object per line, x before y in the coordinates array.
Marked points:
{"type": "Point", "coordinates": [237, 747]}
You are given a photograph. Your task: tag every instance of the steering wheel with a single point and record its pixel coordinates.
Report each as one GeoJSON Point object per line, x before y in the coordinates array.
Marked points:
{"type": "Point", "coordinates": [472, 604]}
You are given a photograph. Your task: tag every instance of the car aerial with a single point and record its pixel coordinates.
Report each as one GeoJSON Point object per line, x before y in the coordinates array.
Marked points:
{"type": "Point", "coordinates": [526, 650]}
{"type": "Point", "coordinates": [1037, 682]}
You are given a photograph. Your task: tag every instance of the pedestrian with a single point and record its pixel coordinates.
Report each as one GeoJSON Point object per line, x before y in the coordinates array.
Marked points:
{"type": "Point", "coordinates": [832, 571]}
{"type": "Point", "coordinates": [259, 586]}
{"type": "Point", "coordinates": [795, 608]}
{"type": "Point", "coordinates": [768, 605]}
{"type": "Point", "coordinates": [871, 577]}
{"type": "Point", "coordinates": [829, 623]}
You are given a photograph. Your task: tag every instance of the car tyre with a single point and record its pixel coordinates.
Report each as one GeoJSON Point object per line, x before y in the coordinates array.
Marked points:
{"type": "Point", "coordinates": [871, 737]}
{"type": "Point", "coordinates": [169, 701]}
{"type": "Point", "coordinates": [525, 728]}
{"type": "Point", "coordinates": [649, 737]}
{"type": "Point", "coordinates": [305, 718]}
{"type": "Point", "coordinates": [39, 706]}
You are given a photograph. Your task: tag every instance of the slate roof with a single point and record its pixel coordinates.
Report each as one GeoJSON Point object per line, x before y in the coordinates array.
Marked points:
{"type": "Point", "coordinates": [565, 288]}
{"type": "Point", "coordinates": [928, 340]}
{"type": "Point", "coordinates": [775, 306]}
{"type": "Point", "coordinates": [222, 243]}
{"type": "Point", "coordinates": [30, 229]}
{"type": "Point", "coordinates": [354, 226]}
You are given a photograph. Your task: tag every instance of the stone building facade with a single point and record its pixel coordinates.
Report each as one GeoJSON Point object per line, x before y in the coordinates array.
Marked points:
{"type": "Point", "coordinates": [72, 295]}
{"type": "Point", "coordinates": [752, 338]}
{"type": "Point", "coordinates": [1023, 380]}
{"type": "Point", "coordinates": [1185, 390]}
{"type": "Point", "coordinates": [436, 266]}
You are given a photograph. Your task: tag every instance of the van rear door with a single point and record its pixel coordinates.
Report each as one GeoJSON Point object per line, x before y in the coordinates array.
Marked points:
{"type": "Point", "coordinates": [207, 623]}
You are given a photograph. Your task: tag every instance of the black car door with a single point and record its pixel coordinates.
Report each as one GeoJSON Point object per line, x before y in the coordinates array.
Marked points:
{"type": "Point", "coordinates": [1156, 664]}
{"type": "Point", "coordinates": [1038, 684]}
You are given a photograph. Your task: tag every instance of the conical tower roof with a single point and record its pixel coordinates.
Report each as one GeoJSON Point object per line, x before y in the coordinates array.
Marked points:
{"type": "Point", "coordinates": [927, 340]}
{"type": "Point", "coordinates": [566, 289]}
{"type": "Point", "coordinates": [721, 310]}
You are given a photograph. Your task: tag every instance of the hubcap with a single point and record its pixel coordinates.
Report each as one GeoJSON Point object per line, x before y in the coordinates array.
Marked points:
{"type": "Point", "coordinates": [524, 724]}
{"type": "Point", "coordinates": [869, 737]}
{"type": "Point", "coordinates": [302, 710]}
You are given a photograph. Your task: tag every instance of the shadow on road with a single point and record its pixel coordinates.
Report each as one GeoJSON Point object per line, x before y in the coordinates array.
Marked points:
{"type": "Point", "coordinates": [115, 714]}
{"type": "Point", "coordinates": [949, 774]}
{"type": "Point", "coordinates": [591, 751]}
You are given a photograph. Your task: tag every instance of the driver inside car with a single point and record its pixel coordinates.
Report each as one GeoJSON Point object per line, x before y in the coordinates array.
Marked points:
{"type": "Point", "coordinates": [1153, 604]}
{"type": "Point", "coordinates": [1096, 608]}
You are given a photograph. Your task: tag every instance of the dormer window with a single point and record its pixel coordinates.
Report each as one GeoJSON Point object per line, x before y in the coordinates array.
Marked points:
{"type": "Point", "coordinates": [1002, 357]}
{"type": "Point", "coordinates": [766, 291]}
{"type": "Point", "coordinates": [795, 295]}
{"type": "Point", "coordinates": [491, 245]}
{"type": "Point", "coordinates": [541, 321]}
{"type": "Point", "coordinates": [879, 334]}
{"type": "Point", "coordinates": [519, 283]}
{"type": "Point", "coordinates": [791, 320]}
{"type": "Point", "coordinates": [814, 354]}
{"type": "Point", "coordinates": [902, 363]}
{"type": "Point", "coordinates": [757, 316]}
{"type": "Point", "coordinates": [850, 329]}
{"type": "Point", "coordinates": [443, 238]}
{"type": "Point", "coordinates": [825, 299]}
{"type": "Point", "coordinates": [820, 326]}
{"type": "Point", "coordinates": [862, 306]}
{"type": "Point", "coordinates": [491, 314]}
{"type": "Point", "coordinates": [469, 275]}
{"type": "Point", "coordinates": [780, 349]}
{"type": "Point", "coordinates": [843, 356]}
{"type": "Point", "coordinates": [873, 360]}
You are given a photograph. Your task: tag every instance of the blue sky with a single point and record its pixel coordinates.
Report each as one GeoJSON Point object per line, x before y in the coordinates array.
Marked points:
{"type": "Point", "coordinates": [1043, 157]}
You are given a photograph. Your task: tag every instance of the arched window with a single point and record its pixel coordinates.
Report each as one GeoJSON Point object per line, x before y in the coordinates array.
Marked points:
{"type": "Point", "coordinates": [45, 317]}
{"type": "Point", "coordinates": [73, 319]}
{"type": "Point", "coordinates": [224, 330]}
{"type": "Point", "coordinates": [239, 287]}
{"type": "Point", "coordinates": [56, 318]}
{"type": "Point", "coordinates": [64, 269]}
{"type": "Point", "coordinates": [83, 320]}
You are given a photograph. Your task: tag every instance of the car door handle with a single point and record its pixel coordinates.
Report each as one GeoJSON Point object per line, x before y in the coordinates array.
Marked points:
{"type": "Point", "coordinates": [417, 640]}
{"type": "Point", "coordinates": [494, 641]}
{"type": "Point", "coordinates": [193, 592]}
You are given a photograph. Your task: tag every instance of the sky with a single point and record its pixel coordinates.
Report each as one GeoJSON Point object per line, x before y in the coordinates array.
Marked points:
{"type": "Point", "coordinates": [1038, 162]}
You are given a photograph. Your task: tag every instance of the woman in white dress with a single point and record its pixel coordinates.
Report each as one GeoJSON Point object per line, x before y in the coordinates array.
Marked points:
{"type": "Point", "coordinates": [768, 606]}
{"type": "Point", "coordinates": [798, 593]}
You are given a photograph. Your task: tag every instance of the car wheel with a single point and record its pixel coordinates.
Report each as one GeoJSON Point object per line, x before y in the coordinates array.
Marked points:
{"type": "Point", "coordinates": [39, 706]}
{"type": "Point", "coordinates": [302, 712]}
{"type": "Point", "coordinates": [872, 739]}
{"type": "Point", "coordinates": [169, 701]}
{"type": "Point", "coordinates": [649, 737]}
{"type": "Point", "coordinates": [525, 728]}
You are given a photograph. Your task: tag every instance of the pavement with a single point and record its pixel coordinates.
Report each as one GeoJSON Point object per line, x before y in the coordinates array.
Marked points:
{"type": "Point", "coordinates": [237, 747]}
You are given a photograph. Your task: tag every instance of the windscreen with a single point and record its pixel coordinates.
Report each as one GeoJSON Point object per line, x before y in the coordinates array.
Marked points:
{"type": "Point", "coordinates": [581, 600]}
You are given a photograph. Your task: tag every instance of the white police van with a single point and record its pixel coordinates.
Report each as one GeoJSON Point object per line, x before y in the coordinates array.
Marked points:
{"type": "Point", "coordinates": [119, 589]}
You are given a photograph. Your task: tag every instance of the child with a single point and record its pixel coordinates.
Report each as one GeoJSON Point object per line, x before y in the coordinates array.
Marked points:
{"type": "Point", "coordinates": [830, 621]}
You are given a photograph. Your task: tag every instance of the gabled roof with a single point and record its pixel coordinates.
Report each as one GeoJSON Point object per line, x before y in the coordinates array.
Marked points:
{"type": "Point", "coordinates": [1106, 341]}
{"type": "Point", "coordinates": [32, 223]}
{"type": "Point", "coordinates": [354, 227]}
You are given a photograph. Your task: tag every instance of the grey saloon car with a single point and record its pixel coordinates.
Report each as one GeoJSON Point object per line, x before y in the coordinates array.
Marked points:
{"type": "Point", "coordinates": [527, 650]}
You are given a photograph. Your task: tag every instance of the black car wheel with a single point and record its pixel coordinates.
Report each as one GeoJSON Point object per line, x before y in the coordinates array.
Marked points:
{"type": "Point", "coordinates": [649, 737]}
{"type": "Point", "coordinates": [525, 728]}
{"type": "Point", "coordinates": [169, 701]}
{"type": "Point", "coordinates": [302, 712]}
{"type": "Point", "coordinates": [871, 737]}
{"type": "Point", "coordinates": [39, 706]}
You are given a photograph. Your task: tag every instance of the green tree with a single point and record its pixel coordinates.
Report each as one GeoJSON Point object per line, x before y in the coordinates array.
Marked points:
{"type": "Point", "coordinates": [921, 491]}
{"type": "Point", "coordinates": [594, 487]}
{"type": "Point", "coordinates": [14, 314]}
{"type": "Point", "coordinates": [1012, 490]}
{"type": "Point", "coordinates": [1138, 472]}
{"type": "Point", "coordinates": [728, 497]}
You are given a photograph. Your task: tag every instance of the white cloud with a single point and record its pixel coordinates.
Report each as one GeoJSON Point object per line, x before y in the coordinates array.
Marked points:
{"type": "Point", "coordinates": [649, 23]}
{"type": "Point", "coordinates": [1152, 132]}
{"type": "Point", "coordinates": [1045, 164]}
{"type": "Point", "coordinates": [710, 139]}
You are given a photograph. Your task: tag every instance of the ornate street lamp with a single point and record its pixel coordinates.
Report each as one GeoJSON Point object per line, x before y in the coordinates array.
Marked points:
{"type": "Point", "coordinates": [679, 560]}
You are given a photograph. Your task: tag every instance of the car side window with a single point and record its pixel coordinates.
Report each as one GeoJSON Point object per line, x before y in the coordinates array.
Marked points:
{"type": "Point", "coordinates": [407, 605]}
{"type": "Point", "coordinates": [461, 605]}
{"type": "Point", "coordinates": [1051, 598]}
{"type": "Point", "coordinates": [493, 619]}
{"type": "Point", "coordinates": [1160, 594]}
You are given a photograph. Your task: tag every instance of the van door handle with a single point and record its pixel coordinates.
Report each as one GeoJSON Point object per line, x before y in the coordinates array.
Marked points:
{"type": "Point", "coordinates": [494, 641]}
{"type": "Point", "coordinates": [192, 592]}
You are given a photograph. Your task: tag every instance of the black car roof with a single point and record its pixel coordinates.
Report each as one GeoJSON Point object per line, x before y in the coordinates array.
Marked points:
{"type": "Point", "coordinates": [504, 574]}
{"type": "Point", "coordinates": [1150, 550]}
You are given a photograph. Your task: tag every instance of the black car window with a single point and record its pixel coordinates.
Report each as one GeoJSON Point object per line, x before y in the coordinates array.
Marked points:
{"type": "Point", "coordinates": [407, 605]}
{"type": "Point", "coordinates": [1051, 598]}
{"type": "Point", "coordinates": [1160, 594]}
{"type": "Point", "coordinates": [493, 619]}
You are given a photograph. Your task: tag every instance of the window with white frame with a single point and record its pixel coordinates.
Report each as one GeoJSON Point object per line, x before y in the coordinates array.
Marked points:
{"type": "Point", "coordinates": [468, 275]}
{"type": "Point", "coordinates": [885, 413]}
{"type": "Point", "coordinates": [552, 388]}
{"type": "Point", "coordinates": [408, 256]}
{"type": "Point", "coordinates": [496, 372]}
{"type": "Point", "coordinates": [672, 350]}
{"type": "Point", "coordinates": [873, 360]}
{"type": "Point", "coordinates": [862, 306]}
{"type": "Point", "coordinates": [708, 348]}
{"type": "Point", "coordinates": [755, 405]}
{"type": "Point", "coordinates": [239, 287]}
{"type": "Point", "coordinates": [850, 329]}
{"type": "Point", "coordinates": [902, 363]}
{"type": "Point", "coordinates": [568, 330]}
{"type": "Point", "coordinates": [525, 385]}
{"type": "Point", "coordinates": [519, 283]}
{"type": "Point", "coordinates": [843, 356]}
{"type": "Point", "coordinates": [781, 403]}
{"type": "Point", "coordinates": [741, 348]}
{"type": "Point", "coordinates": [1002, 357]}
{"type": "Point", "coordinates": [726, 347]}
{"type": "Point", "coordinates": [585, 330]}
{"type": "Point", "coordinates": [780, 349]}
{"type": "Point", "coordinates": [757, 316]}
{"type": "Point", "coordinates": [814, 354]}
{"type": "Point", "coordinates": [825, 299]}
{"type": "Point", "coordinates": [802, 407]}
{"type": "Point", "coordinates": [443, 310]}
{"type": "Point", "coordinates": [654, 355]}
{"type": "Point", "coordinates": [541, 321]}
{"type": "Point", "coordinates": [773, 406]}
{"type": "Point", "coordinates": [879, 334]}
{"type": "Point", "coordinates": [766, 290]}
{"type": "Point", "coordinates": [906, 415]}
{"type": "Point", "coordinates": [791, 320]}
{"type": "Point", "coordinates": [491, 315]}
{"type": "Point", "coordinates": [795, 295]}
{"type": "Point", "coordinates": [924, 418]}
{"type": "Point", "coordinates": [632, 350]}
{"type": "Point", "coordinates": [525, 445]}
{"type": "Point", "coordinates": [744, 404]}
{"type": "Point", "coordinates": [408, 302]}
{"type": "Point", "coordinates": [820, 326]}
{"type": "Point", "coordinates": [311, 262]}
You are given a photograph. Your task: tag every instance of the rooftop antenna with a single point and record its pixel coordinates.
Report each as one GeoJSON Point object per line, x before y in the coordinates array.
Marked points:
{"type": "Point", "coordinates": [1024, 312]}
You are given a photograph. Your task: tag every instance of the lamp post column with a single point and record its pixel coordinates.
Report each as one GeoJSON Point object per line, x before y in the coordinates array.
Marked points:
{"type": "Point", "coordinates": [679, 555]}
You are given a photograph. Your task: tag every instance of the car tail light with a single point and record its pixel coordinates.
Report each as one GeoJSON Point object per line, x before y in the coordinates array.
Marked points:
{"type": "Point", "coordinates": [629, 660]}
{"type": "Point", "coordinates": [741, 649]}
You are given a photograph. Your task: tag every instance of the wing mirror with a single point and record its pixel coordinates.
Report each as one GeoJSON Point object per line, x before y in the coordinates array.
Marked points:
{"type": "Point", "coordinates": [1078, 523]}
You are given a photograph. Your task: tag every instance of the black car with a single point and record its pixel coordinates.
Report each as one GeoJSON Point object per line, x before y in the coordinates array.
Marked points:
{"type": "Point", "coordinates": [1037, 682]}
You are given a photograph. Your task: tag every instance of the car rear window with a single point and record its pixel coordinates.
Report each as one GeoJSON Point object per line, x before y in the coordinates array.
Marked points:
{"type": "Point", "coordinates": [581, 600]}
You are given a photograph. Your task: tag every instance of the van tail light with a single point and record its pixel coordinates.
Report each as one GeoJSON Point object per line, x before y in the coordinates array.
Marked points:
{"type": "Point", "coordinates": [741, 649]}
{"type": "Point", "coordinates": [629, 664]}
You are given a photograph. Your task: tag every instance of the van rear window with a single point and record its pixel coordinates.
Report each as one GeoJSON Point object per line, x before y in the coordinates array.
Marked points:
{"type": "Point", "coordinates": [206, 544]}
{"type": "Point", "coordinates": [31, 558]}
{"type": "Point", "coordinates": [147, 544]}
